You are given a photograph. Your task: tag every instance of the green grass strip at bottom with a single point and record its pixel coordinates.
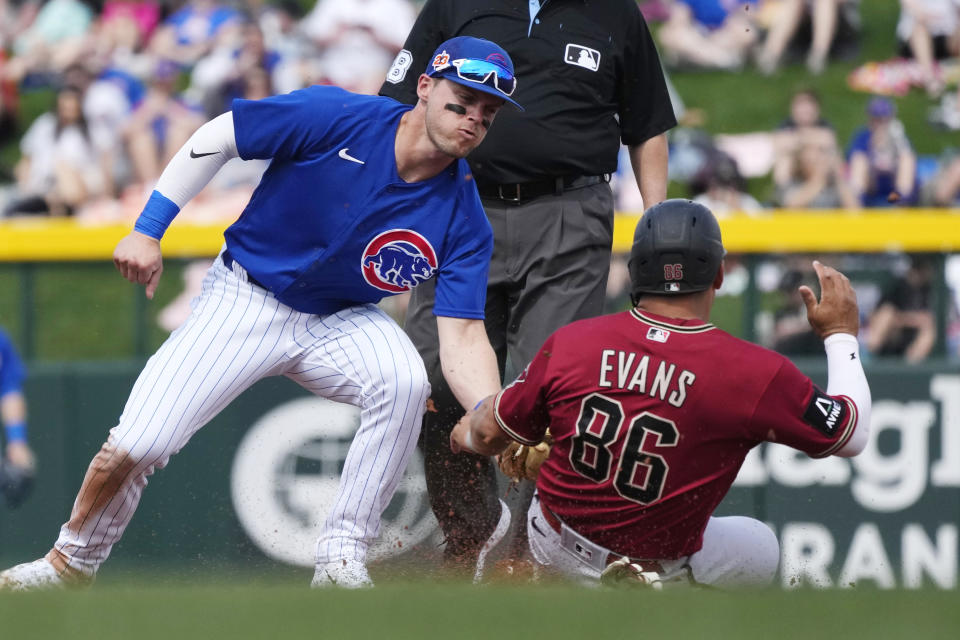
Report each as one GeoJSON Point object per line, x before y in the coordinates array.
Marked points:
{"type": "Point", "coordinates": [417, 610]}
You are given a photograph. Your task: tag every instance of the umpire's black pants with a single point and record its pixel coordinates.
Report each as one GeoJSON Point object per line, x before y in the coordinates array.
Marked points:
{"type": "Point", "coordinates": [550, 263]}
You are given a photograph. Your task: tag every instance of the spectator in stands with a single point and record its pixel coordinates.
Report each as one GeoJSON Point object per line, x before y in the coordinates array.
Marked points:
{"type": "Point", "coordinates": [946, 186]}
{"type": "Point", "coordinates": [108, 98]}
{"type": "Point", "coordinates": [358, 39]}
{"type": "Point", "coordinates": [903, 323]}
{"type": "Point", "coordinates": [721, 188]}
{"type": "Point", "coordinates": [58, 170]}
{"type": "Point", "coordinates": [159, 125]}
{"type": "Point", "coordinates": [792, 334]}
{"type": "Point", "coordinates": [804, 125]}
{"type": "Point", "coordinates": [818, 180]}
{"type": "Point", "coordinates": [9, 109]}
{"type": "Point", "coordinates": [618, 285]}
{"type": "Point", "coordinates": [121, 36]}
{"type": "Point", "coordinates": [279, 22]}
{"type": "Point", "coordinates": [142, 15]}
{"type": "Point", "coordinates": [16, 16]}
{"type": "Point", "coordinates": [929, 31]}
{"type": "Point", "coordinates": [823, 17]}
{"type": "Point", "coordinates": [274, 17]}
{"type": "Point", "coordinates": [193, 30]}
{"type": "Point", "coordinates": [220, 77]}
{"type": "Point", "coordinates": [946, 115]}
{"type": "Point", "coordinates": [883, 165]}
{"type": "Point", "coordinates": [54, 40]}
{"type": "Point", "coordinates": [709, 34]}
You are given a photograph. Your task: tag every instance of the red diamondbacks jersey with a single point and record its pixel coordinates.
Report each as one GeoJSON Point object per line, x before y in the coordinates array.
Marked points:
{"type": "Point", "coordinates": [652, 418]}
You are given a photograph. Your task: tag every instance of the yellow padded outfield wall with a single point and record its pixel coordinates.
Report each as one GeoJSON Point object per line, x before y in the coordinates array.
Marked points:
{"type": "Point", "coordinates": [780, 231]}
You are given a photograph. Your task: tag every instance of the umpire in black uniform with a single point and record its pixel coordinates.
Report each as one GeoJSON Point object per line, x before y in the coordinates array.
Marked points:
{"type": "Point", "coordinates": [590, 77]}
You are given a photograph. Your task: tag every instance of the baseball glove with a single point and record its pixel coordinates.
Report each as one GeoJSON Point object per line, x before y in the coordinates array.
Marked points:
{"type": "Point", "coordinates": [522, 462]}
{"type": "Point", "coordinates": [16, 483]}
{"type": "Point", "coordinates": [624, 573]}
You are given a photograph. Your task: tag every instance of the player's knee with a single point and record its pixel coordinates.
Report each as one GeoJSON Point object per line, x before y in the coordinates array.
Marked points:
{"type": "Point", "coordinates": [134, 455]}
{"type": "Point", "coordinates": [110, 459]}
{"type": "Point", "coordinates": [766, 557]}
{"type": "Point", "coordinates": [738, 552]}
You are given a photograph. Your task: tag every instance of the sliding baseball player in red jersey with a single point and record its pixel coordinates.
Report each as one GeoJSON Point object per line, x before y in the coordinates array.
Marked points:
{"type": "Point", "coordinates": [653, 410]}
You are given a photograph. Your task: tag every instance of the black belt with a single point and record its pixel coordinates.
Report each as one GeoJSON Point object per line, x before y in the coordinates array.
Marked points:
{"type": "Point", "coordinates": [228, 262]}
{"type": "Point", "coordinates": [520, 191]}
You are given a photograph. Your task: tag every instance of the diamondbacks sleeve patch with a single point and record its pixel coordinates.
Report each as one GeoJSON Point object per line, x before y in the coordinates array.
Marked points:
{"type": "Point", "coordinates": [825, 414]}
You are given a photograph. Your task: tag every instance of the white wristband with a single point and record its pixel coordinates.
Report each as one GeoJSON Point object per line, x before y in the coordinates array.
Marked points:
{"type": "Point", "coordinates": [468, 441]}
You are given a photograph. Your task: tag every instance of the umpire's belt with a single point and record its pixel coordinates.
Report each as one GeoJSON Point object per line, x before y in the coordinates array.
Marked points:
{"type": "Point", "coordinates": [612, 556]}
{"type": "Point", "coordinates": [228, 262]}
{"type": "Point", "coordinates": [521, 191]}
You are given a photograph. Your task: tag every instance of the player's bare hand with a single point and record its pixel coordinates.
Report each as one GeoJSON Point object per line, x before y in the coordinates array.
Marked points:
{"type": "Point", "coordinates": [459, 437]}
{"type": "Point", "coordinates": [20, 455]}
{"type": "Point", "coordinates": [837, 311]}
{"type": "Point", "coordinates": [139, 260]}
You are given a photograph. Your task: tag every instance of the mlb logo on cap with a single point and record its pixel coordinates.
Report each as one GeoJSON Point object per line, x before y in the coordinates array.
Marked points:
{"type": "Point", "coordinates": [476, 63]}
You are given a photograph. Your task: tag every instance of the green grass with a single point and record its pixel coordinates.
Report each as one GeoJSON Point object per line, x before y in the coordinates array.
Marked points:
{"type": "Point", "coordinates": [418, 610]}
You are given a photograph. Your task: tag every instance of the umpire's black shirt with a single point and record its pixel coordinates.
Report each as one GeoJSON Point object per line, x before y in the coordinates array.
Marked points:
{"type": "Point", "coordinates": [588, 76]}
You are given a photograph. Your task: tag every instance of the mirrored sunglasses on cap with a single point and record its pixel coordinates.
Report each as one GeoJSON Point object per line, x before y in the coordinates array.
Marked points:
{"type": "Point", "coordinates": [480, 71]}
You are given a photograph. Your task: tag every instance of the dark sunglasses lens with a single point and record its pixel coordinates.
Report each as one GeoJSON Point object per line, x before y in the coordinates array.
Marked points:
{"type": "Point", "coordinates": [506, 85]}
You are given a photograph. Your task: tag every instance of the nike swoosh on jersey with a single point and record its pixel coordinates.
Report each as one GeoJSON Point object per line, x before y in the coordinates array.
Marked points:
{"type": "Point", "coordinates": [194, 154]}
{"type": "Point", "coordinates": [346, 156]}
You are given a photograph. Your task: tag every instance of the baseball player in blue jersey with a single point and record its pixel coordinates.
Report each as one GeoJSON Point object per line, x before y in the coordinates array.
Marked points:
{"type": "Point", "coordinates": [17, 463]}
{"type": "Point", "coordinates": [364, 198]}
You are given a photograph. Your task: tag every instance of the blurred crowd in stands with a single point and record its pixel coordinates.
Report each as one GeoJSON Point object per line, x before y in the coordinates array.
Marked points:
{"type": "Point", "coordinates": [134, 78]}
{"type": "Point", "coordinates": [809, 166]}
{"type": "Point", "coordinates": [128, 81]}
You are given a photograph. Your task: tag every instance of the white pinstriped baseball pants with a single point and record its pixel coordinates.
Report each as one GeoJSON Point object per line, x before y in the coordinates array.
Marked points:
{"type": "Point", "coordinates": [237, 334]}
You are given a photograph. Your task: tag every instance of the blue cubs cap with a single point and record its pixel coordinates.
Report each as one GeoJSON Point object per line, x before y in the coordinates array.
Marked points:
{"type": "Point", "coordinates": [880, 107]}
{"type": "Point", "coordinates": [475, 63]}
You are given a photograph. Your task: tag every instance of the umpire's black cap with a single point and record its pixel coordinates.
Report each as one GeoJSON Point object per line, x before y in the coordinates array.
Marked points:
{"type": "Point", "coordinates": [677, 249]}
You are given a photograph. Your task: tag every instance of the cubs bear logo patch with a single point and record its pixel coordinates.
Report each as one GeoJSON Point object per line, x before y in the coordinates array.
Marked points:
{"type": "Point", "coordinates": [398, 260]}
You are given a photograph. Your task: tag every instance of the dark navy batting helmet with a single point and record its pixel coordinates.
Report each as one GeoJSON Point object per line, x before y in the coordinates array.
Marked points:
{"type": "Point", "coordinates": [676, 249]}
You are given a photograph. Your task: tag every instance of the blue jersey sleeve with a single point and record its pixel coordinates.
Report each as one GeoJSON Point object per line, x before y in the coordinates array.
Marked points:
{"type": "Point", "coordinates": [11, 368]}
{"type": "Point", "coordinates": [289, 126]}
{"type": "Point", "coordinates": [859, 142]}
{"type": "Point", "coordinates": [461, 290]}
